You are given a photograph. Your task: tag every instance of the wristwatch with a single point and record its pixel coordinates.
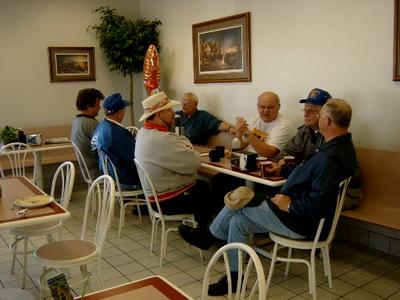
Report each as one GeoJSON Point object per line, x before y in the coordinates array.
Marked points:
{"type": "Point", "coordinates": [288, 207]}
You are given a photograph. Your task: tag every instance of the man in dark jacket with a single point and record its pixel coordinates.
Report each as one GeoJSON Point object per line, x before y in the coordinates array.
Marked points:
{"type": "Point", "coordinates": [309, 194]}
{"type": "Point", "coordinates": [118, 143]}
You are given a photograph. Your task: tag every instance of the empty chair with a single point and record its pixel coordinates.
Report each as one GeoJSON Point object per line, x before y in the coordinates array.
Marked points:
{"type": "Point", "coordinates": [132, 129]}
{"type": "Point", "coordinates": [281, 241]}
{"type": "Point", "coordinates": [64, 177]}
{"type": "Point", "coordinates": [157, 216]}
{"type": "Point", "coordinates": [17, 154]}
{"type": "Point", "coordinates": [126, 197]}
{"type": "Point", "coordinates": [245, 269]}
{"type": "Point", "coordinates": [65, 254]}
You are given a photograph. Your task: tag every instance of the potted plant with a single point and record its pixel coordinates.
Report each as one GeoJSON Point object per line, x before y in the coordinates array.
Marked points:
{"type": "Point", "coordinates": [8, 135]}
{"type": "Point", "coordinates": [125, 42]}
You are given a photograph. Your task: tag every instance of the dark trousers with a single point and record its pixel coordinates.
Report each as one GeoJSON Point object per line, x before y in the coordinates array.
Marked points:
{"type": "Point", "coordinates": [198, 200]}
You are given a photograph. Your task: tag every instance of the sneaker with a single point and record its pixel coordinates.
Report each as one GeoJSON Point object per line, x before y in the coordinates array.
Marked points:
{"type": "Point", "coordinates": [220, 288]}
{"type": "Point", "coordinates": [199, 237]}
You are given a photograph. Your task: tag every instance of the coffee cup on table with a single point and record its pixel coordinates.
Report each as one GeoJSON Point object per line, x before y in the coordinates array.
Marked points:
{"type": "Point", "coordinates": [266, 168]}
{"type": "Point", "coordinates": [214, 156]}
{"type": "Point", "coordinates": [220, 151]}
{"type": "Point", "coordinates": [289, 160]}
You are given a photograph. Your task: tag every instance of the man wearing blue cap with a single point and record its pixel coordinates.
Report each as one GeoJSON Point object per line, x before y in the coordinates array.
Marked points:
{"type": "Point", "coordinates": [118, 143]}
{"type": "Point", "coordinates": [308, 138]}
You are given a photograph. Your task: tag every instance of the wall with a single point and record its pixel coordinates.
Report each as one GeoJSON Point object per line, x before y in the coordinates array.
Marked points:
{"type": "Point", "coordinates": [343, 46]}
{"type": "Point", "coordinates": [27, 28]}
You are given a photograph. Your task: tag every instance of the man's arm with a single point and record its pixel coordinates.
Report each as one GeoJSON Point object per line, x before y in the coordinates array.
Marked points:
{"type": "Point", "coordinates": [223, 126]}
{"type": "Point", "coordinates": [261, 147]}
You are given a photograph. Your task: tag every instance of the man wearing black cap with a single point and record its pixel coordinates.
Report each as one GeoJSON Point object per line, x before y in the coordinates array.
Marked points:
{"type": "Point", "coordinates": [118, 143]}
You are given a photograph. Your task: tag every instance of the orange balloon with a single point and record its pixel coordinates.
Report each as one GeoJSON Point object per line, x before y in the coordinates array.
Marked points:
{"type": "Point", "coordinates": [151, 70]}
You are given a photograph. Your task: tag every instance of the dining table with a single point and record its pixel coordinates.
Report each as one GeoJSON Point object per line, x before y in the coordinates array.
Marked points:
{"type": "Point", "coordinates": [12, 188]}
{"type": "Point", "coordinates": [154, 288]}
{"type": "Point", "coordinates": [224, 166]}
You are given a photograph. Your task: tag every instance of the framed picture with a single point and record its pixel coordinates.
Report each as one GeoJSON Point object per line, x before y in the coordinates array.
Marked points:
{"type": "Point", "coordinates": [396, 49]}
{"type": "Point", "coordinates": [71, 63]}
{"type": "Point", "coordinates": [221, 50]}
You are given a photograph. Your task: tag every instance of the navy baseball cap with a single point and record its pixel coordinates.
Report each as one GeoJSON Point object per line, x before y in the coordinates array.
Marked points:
{"type": "Point", "coordinates": [114, 103]}
{"type": "Point", "coordinates": [317, 97]}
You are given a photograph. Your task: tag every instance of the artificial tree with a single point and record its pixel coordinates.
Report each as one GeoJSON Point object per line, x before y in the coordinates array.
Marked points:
{"type": "Point", "coordinates": [124, 42]}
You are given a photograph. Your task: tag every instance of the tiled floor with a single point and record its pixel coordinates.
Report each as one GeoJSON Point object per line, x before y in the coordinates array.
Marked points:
{"type": "Point", "coordinates": [359, 273]}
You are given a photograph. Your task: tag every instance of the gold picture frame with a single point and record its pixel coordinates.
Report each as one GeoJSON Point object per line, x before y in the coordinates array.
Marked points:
{"type": "Point", "coordinates": [71, 64]}
{"type": "Point", "coordinates": [396, 45]}
{"type": "Point", "coordinates": [221, 50]}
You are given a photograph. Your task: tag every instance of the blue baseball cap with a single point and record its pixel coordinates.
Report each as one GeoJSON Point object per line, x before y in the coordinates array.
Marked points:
{"type": "Point", "coordinates": [317, 97]}
{"type": "Point", "coordinates": [114, 103]}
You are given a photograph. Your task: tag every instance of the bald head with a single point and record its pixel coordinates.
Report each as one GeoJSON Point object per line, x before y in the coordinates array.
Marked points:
{"type": "Point", "coordinates": [268, 106]}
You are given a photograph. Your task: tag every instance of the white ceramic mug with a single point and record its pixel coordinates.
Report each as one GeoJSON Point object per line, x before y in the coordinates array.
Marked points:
{"type": "Point", "coordinates": [243, 162]}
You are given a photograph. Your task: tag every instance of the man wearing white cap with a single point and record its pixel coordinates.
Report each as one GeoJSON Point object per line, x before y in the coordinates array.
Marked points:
{"type": "Point", "coordinates": [171, 162]}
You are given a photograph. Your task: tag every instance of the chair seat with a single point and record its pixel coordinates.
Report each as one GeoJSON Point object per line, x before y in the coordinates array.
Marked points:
{"type": "Point", "coordinates": [130, 193]}
{"type": "Point", "coordinates": [66, 252]}
{"type": "Point", "coordinates": [182, 217]}
{"type": "Point", "coordinates": [39, 229]}
{"type": "Point", "coordinates": [299, 244]}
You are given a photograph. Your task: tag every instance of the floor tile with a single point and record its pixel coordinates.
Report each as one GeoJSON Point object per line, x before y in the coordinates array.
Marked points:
{"type": "Point", "coordinates": [380, 288]}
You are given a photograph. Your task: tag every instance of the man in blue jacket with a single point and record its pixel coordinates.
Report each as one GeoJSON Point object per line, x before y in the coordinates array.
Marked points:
{"type": "Point", "coordinates": [118, 143]}
{"type": "Point", "coordinates": [309, 194]}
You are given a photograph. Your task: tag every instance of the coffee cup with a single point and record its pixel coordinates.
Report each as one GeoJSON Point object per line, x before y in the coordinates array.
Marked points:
{"type": "Point", "coordinates": [214, 156]}
{"type": "Point", "coordinates": [220, 151]}
{"type": "Point", "coordinates": [266, 167]}
{"type": "Point", "coordinates": [289, 160]}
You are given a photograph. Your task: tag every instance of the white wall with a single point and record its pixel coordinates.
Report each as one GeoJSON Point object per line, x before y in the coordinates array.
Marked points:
{"type": "Point", "coordinates": [27, 28]}
{"type": "Point", "coordinates": [343, 46]}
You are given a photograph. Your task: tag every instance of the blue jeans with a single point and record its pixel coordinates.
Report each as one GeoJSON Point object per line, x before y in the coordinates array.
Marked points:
{"type": "Point", "coordinates": [237, 225]}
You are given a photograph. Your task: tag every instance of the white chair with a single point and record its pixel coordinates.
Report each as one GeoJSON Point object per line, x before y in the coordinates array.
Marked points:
{"type": "Point", "coordinates": [126, 197]}
{"type": "Point", "coordinates": [243, 272]}
{"type": "Point", "coordinates": [156, 216]}
{"type": "Point", "coordinates": [17, 154]}
{"type": "Point", "coordinates": [82, 166]}
{"type": "Point", "coordinates": [281, 241]}
{"type": "Point", "coordinates": [132, 129]}
{"type": "Point", "coordinates": [64, 177]}
{"type": "Point", "coordinates": [66, 254]}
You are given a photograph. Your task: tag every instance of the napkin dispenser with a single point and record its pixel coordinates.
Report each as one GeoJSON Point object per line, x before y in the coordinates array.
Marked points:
{"type": "Point", "coordinates": [246, 161]}
{"type": "Point", "coordinates": [34, 139]}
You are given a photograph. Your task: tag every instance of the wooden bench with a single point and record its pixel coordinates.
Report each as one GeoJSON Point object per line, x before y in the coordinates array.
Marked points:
{"type": "Point", "coordinates": [380, 176]}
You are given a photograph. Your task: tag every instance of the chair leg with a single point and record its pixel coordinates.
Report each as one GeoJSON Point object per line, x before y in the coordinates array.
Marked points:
{"type": "Point", "coordinates": [25, 262]}
{"type": "Point", "coordinates": [271, 268]}
{"type": "Point", "coordinates": [14, 249]}
{"type": "Point", "coordinates": [121, 219]}
{"type": "Point", "coordinates": [153, 229]}
{"type": "Point", "coordinates": [163, 243]}
{"type": "Point", "coordinates": [313, 280]}
{"type": "Point", "coordinates": [328, 265]}
{"type": "Point", "coordinates": [290, 252]}
{"type": "Point", "coordinates": [140, 214]}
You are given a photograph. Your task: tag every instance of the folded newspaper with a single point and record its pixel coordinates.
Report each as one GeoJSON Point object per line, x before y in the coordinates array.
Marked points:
{"type": "Point", "coordinates": [58, 140]}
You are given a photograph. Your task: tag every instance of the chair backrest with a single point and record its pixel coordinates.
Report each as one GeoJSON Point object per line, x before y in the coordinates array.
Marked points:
{"type": "Point", "coordinates": [339, 205]}
{"type": "Point", "coordinates": [108, 168]}
{"type": "Point", "coordinates": [243, 273]}
{"type": "Point", "coordinates": [151, 195]}
{"type": "Point", "coordinates": [17, 154]}
{"type": "Point", "coordinates": [64, 176]}
{"type": "Point", "coordinates": [102, 193]}
{"type": "Point", "coordinates": [132, 129]}
{"type": "Point", "coordinates": [82, 165]}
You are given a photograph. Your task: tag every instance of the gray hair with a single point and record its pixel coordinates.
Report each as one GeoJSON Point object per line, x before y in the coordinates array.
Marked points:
{"type": "Point", "coordinates": [339, 111]}
{"type": "Point", "coordinates": [191, 96]}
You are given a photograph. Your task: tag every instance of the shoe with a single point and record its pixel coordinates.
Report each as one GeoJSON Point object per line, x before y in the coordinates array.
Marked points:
{"type": "Point", "coordinates": [199, 237]}
{"type": "Point", "coordinates": [220, 288]}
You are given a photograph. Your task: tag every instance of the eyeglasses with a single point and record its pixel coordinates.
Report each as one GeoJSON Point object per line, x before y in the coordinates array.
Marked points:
{"type": "Point", "coordinates": [309, 111]}
{"type": "Point", "coordinates": [183, 102]}
{"type": "Point", "coordinates": [262, 107]}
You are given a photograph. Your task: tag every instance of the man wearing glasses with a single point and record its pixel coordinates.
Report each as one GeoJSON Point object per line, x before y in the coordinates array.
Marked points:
{"type": "Point", "coordinates": [268, 132]}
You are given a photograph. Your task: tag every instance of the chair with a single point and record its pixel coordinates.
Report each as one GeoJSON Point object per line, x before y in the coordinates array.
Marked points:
{"type": "Point", "coordinates": [82, 166]}
{"type": "Point", "coordinates": [243, 272]}
{"type": "Point", "coordinates": [132, 129]}
{"type": "Point", "coordinates": [308, 245]}
{"type": "Point", "coordinates": [17, 157]}
{"type": "Point", "coordinates": [64, 176]}
{"type": "Point", "coordinates": [126, 197]}
{"type": "Point", "coordinates": [66, 254]}
{"type": "Point", "coordinates": [158, 217]}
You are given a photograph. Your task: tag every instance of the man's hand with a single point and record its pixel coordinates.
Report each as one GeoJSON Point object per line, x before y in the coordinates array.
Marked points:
{"type": "Point", "coordinates": [282, 201]}
{"type": "Point", "coordinates": [241, 126]}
